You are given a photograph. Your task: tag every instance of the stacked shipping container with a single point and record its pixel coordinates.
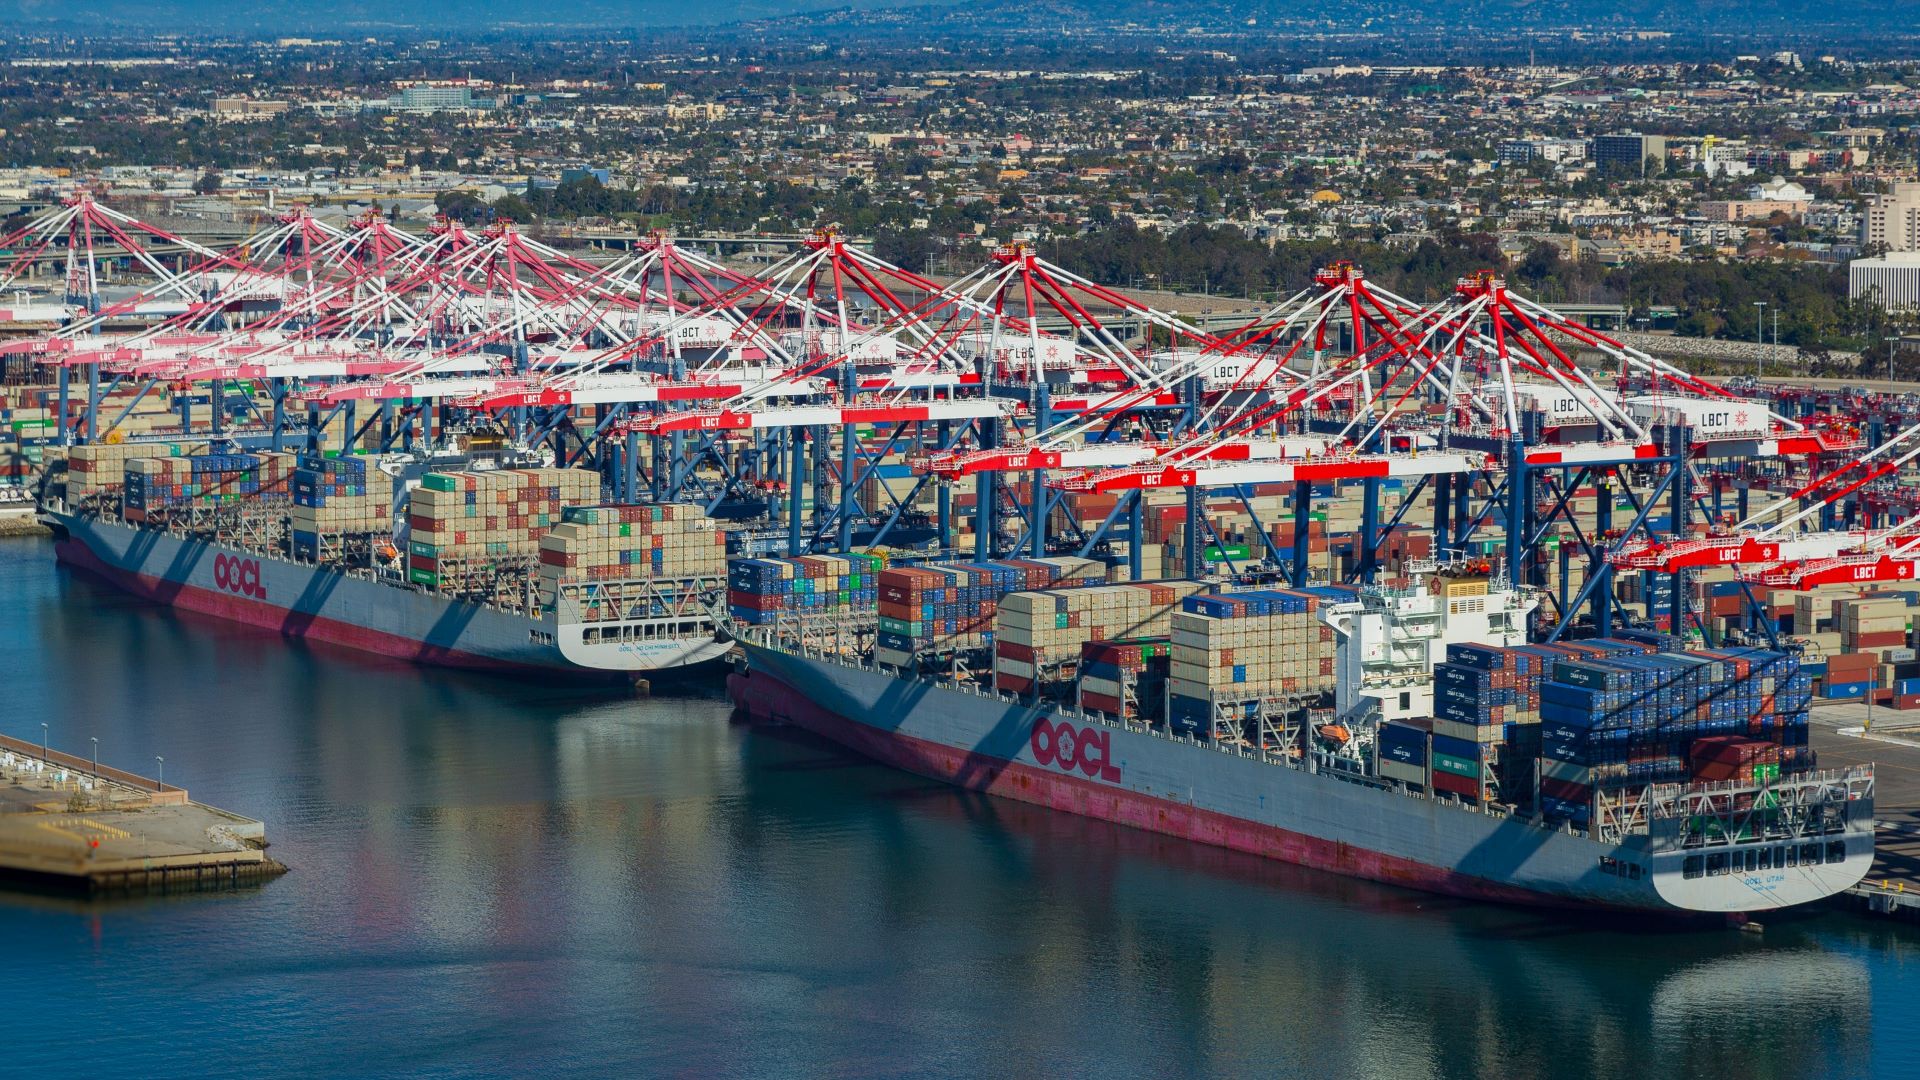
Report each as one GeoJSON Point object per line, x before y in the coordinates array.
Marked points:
{"type": "Point", "coordinates": [102, 467]}
{"type": "Point", "coordinates": [1038, 634]}
{"type": "Point", "coordinates": [1237, 648]}
{"type": "Point", "coordinates": [1617, 724]}
{"type": "Point", "coordinates": [1125, 679]}
{"type": "Point", "coordinates": [759, 590]}
{"type": "Point", "coordinates": [459, 522]}
{"type": "Point", "coordinates": [625, 543]}
{"type": "Point", "coordinates": [338, 496]}
{"type": "Point", "coordinates": [154, 484]}
{"type": "Point", "coordinates": [940, 607]}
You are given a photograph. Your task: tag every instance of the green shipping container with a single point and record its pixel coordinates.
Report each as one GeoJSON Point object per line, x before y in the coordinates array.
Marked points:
{"type": "Point", "coordinates": [437, 482]}
{"type": "Point", "coordinates": [424, 577]}
{"type": "Point", "coordinates": [1458, 766]}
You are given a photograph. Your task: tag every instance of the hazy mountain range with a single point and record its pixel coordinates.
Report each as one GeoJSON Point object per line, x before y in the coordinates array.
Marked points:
{"type": "Point", "coordinates": [1731, 16]}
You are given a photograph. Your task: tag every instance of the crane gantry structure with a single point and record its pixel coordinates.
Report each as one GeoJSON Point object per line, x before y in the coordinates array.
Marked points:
{"type": "Point", "coordinates": [681, 376]}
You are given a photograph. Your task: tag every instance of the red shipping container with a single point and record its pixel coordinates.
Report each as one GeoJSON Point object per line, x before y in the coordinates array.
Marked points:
{"type": "Point", "coordinates": [1565, 790]}
{"type": "Point", "coordinates": [1014, 650]}
{"type": "Point", "coordinates": [1100, 702]}
{"type": "Point", "coordinates": [1465, 786]}
{"type": "Point", "coordinates": [1729, 757]}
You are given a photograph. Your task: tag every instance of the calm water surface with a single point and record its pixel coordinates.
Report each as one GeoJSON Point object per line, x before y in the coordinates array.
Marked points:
{"type": "Point", "coordinates": [493, 878]}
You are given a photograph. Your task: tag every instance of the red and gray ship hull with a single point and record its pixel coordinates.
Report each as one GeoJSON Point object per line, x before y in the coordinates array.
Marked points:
{"type": "Point", "coordinates": [1145, 779]}
{"type": "Point", "coordinates": [325, 604]}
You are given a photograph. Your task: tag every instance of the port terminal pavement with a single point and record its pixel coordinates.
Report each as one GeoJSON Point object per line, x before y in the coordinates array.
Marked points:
{"type": "Point", "coordinates": [69, 825]}
{"type": "Point", "coordinates": [1853, 733]}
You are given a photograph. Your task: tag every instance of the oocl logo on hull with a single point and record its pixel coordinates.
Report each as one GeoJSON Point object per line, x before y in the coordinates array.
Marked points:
{"type": "Point", "coordinates": [239, 576]}
{"type": "Point", "coordinates": [1069, 748]}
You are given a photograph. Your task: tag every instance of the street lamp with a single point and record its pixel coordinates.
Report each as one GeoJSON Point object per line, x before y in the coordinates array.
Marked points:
{"type": "Point", "coordinates": [160, 778]}
{"type": "Point", "coordinates": [43, 743]}
{"type": "Point", "coordinates": [96, 757]}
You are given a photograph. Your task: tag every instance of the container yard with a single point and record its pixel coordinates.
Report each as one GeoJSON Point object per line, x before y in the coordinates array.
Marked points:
{"type": "Point", "coordinates": [1452, 592]}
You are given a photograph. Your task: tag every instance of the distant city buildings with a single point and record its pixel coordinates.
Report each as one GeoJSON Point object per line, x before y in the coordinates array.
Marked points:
{"type": "Point", "coordinates": [1629, 154]}
{"type": "Point", "coordinates": [1556, 151]}
{"type": "Point", "coordinates": [1892, 281]}
{"type": "Point", "coordinates": [240, 108]}
{"type": "Point", "coordinates": [1724, 157]}
{"type": "Point", "coordinates": [1893, 218]}
{"type": "Point", "coordinates": [433, 97]}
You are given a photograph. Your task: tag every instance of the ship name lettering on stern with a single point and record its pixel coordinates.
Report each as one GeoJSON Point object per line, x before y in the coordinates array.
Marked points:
{"type": "Point", "coordinates": [1067, 748]}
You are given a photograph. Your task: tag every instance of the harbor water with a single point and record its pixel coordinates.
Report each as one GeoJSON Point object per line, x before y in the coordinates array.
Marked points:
{"type": "Point", "coordinates": [496, 878]}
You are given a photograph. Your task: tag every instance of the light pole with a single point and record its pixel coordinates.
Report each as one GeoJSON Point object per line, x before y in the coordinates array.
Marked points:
{"type": "Point", "coordinates": [96, 757]}
{"type": "Point", "coordinates": [43, 743]}
{"type": "Point", "coordinates": [1759, 340]}
{"type": "Point", "coordinates": [160, 778]}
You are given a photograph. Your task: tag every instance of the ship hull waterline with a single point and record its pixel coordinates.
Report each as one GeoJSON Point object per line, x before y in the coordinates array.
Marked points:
{"type": "Point", "coordinates": [979, 743]}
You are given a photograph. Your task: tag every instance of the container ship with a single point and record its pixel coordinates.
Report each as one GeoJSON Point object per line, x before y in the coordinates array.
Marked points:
{"type": "Point", "coordinates": [1624, 774]}
{"type": "Point", "coordinates": [504, 570]}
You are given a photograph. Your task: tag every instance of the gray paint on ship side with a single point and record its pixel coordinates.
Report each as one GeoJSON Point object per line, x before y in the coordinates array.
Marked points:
{"type": "Point", "coordinates": [1496, 849]}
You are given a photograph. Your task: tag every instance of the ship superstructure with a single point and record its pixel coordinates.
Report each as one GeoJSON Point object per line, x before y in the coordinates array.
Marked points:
{"type": "Point", "coordinates": [1391, 636]}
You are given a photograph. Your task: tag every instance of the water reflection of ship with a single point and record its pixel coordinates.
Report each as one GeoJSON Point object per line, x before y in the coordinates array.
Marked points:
{"type": "Point", "coordinates": [1783, 999]}
{"type": "Point", "coordinates": [1355, 977]}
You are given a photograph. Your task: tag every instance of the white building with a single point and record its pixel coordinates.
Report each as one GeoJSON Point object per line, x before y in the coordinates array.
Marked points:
{"type": "Point", "coordinates": [1892, 281]}
{"type": "Point", "coordinates": [1779, 189]}
{"type": "Point", "coordinates": [1557, 151]}
{"type": "Point", "coordinates": [1893, 219]}
{"type": "Point", "coordinates": [1721, 157]}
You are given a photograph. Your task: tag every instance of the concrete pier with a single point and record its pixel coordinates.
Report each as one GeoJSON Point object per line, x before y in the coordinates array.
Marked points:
{"type": "Point", "coordinates": [67, 827]}
{"type": "Point", "coordinates": [17, 520]}
{"type": "Point", "coordinates": [1892, 743]}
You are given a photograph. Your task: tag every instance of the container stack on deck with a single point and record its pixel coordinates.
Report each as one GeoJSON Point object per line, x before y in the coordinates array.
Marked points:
{"type": "Point", "coordinates": [760, 590]}
{"type": "Point", "coordinates": [98, 468]}
{"type": "Point", "coordinates": [1606, 717]}
{"type": "Point", "coordinates": [1124, 679]}
{"type": "Point", "coordinates": [463, 523]}
{"type": "Point", "coordinates": [158, 484]}
{"type": "Point", "coordinates": [1038, 637]}
{"type": "Point", "coordinates": [338, 496]}
{"type": "Point", "coordinates": [1617, 724]}
{"type": "Point", "coordinates": [946, 607]}
{"type": "Point", "coordinates": [1237, 648]}
{"type": "Point", "coordinates": [1486, 706]}
{"type": "Point", "coordinates": [623, 543]}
